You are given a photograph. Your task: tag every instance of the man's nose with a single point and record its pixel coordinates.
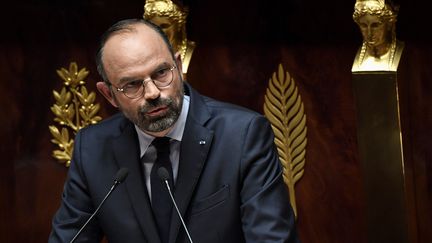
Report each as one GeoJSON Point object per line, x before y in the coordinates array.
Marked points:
{"type": "Point", "coordinates": [151, 92]}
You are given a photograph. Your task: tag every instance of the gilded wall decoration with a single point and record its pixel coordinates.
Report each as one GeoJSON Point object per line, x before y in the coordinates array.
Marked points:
{"type": "Point", "coordinates": [284, 109]}
{"type": "Point", "coordinates": [74, 109]}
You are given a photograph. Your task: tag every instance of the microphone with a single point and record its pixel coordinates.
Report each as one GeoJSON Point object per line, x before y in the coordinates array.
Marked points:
{"type": "Point", "coordinates": [164, 176]}
{"type": "Point", "coordinates": [119, 178]}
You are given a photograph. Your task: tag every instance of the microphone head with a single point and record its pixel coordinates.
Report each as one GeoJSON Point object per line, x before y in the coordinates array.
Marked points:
{"type": "Point", "coordinates": [121, 175]}
{"type": "Point", "coordinates": [163, 173]}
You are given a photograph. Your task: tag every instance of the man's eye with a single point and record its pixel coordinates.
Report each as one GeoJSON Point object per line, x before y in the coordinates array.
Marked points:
{"type": "Point", "coordinates": [160, 74]}
{"type": "Point", "coordinates": [133, 84]}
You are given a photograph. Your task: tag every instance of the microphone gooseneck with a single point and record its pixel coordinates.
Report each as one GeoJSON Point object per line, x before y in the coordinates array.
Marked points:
{"type": "Point", "coordinates": [119, 178]}
{"type": "Point", "coordinates": [164, 176]}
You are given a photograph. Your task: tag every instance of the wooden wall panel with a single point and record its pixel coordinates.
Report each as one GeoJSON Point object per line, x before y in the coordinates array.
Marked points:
{"type": "Point", "coordinates": [240, 44]}
{"type": "Point", "coordinates": [330, 198]}
{"type": "Point", "coordinates": [416, 117]}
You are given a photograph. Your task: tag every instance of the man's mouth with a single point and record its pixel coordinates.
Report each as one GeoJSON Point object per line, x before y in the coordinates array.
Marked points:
{"type": "Point", "coordinates": [157, 111]}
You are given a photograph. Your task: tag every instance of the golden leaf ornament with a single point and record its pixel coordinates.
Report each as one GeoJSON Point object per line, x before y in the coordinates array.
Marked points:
{"type": "Point", "coordinates": [74, 109]}
{"type": "Point", "coordinates": [284, 109]}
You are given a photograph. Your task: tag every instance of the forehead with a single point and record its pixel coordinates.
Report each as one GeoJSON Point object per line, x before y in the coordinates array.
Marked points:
{"type": "Point", "coordinates": [135, 36]}
{"type": "Point", "coordinates": [136, 41]}
{"type": "Point", "coordinates": [139, 49]}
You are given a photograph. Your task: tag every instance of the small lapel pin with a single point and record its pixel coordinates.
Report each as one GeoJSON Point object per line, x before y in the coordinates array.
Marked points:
{"type": "Point", "coordinates": [202, 142]}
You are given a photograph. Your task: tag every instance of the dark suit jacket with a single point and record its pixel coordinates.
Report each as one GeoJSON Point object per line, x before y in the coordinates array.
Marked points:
{"type": "Point", "coordinates": [229, 186]}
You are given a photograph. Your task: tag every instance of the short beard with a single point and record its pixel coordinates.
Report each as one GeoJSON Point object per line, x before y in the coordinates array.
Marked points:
{"type": "Point", "coordinates": [161, 123]}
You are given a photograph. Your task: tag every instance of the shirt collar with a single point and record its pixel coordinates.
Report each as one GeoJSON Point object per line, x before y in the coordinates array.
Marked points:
{"type": "Point", "coordinates": [176, 133]}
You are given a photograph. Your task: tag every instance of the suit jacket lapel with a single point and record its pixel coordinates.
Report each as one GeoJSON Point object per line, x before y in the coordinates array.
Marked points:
{"type": "Point", "coordinates": [195, 145]}
{"type": "Point", "coordinates": [126, 151]}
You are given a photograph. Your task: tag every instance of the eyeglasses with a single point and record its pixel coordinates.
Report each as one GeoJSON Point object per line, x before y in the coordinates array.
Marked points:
{"type": "Point", "coordinates": [135, 89]}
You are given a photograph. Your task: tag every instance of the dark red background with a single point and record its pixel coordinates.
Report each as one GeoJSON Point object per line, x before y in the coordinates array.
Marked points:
{"type": "Point", "coordinates": [239, 46]}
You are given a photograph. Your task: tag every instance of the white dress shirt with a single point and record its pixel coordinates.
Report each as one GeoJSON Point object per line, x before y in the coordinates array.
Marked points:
{"type": "Point", "coordinates": [149, 151]}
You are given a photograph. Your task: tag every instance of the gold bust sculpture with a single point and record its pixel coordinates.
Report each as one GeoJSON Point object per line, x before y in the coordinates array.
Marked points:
{"type": "Point", "coordinates": [172, 19]}
{"type": "Point", "coordinates": [380, 51]}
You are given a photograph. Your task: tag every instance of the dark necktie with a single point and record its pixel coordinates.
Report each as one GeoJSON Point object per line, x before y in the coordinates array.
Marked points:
{"type": "Point", "coordinates": [161, 202]}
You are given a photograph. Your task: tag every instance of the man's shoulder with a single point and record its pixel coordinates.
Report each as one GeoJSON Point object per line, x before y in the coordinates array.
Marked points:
{"type": "Point", "coordinates": [112, 125]}
{"type": "Point", "coordinates": [218, 107]}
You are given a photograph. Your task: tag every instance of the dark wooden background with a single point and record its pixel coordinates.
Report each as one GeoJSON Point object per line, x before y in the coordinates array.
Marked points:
{"type": "Point", "coordinates": [239, 46]}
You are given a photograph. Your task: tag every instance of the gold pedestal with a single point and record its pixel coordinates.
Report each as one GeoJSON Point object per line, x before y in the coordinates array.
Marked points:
{"type": "Point", "coordinates": [381, 155]}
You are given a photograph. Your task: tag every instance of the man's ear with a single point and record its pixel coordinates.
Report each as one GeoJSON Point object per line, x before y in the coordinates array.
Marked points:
{"type": "Point", "coordinates": [106, 92]}
{"type": "Point", "coordinates": [179, 62]}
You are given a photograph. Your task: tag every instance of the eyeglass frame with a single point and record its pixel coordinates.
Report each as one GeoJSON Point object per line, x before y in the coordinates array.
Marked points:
{"type": "Point", "coordinates": [144, 83]}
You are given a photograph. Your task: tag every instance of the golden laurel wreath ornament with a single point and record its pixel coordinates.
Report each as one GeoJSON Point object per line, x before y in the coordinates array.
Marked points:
{"type": "Point", "coordinates": [284, 109]}
{"type": "Point", "coordinates": [74, 109]}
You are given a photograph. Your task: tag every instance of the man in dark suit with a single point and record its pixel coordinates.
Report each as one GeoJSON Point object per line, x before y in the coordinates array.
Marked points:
{"type": "Point", "coordinates": [226, 175]}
